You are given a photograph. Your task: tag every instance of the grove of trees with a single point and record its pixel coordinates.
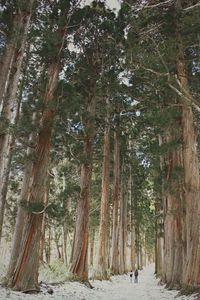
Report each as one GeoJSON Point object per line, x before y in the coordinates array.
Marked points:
{"type": "Point", "coordinates": [99, 139]}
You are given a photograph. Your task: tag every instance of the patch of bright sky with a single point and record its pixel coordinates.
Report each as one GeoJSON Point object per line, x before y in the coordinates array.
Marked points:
{"type": "Point", "coordinates": [112, 4]}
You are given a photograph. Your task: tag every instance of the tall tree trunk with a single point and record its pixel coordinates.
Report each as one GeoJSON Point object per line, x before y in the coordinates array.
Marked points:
{"type": "Point", "coordinates": [159, 222]}
{"type": "Point", "coordinates": [104, 215]}
{"type": "Point", "coordinates": [25, 275]}
{"type": "Point", "coordinates": [10, 113]}
{"type": "Point", "coordinates": [43, 229]}
{"type": "Point", "coordinates": [15, 44]}
{"type": "Point", "coordinates": [137, 242]}
{"type": "Point", "coordinates": [173, 209]}
{"type": "Point", "coordinates": [65, 232]}
{"type": "Point", "coordinates": [21, 212]}
{"type": "Point", "coordinates": [159, 242]}
{"type": "Point", "coordinates": [116, 197]}
{"type": "Point", "coordinates": [182, 240]}
{"type": "Point", "coordinates": [92, 237]}
{"type": "Point", "coordinates": [48, 247]}
{"type": "Point", "coordinates": [123, 225]}
{"type": "Point", "coordinates": [132, 222]}
{"type": "Point", "coordinates": [191, 271]}
{"type": "Point", "coordinates": [80, 251]}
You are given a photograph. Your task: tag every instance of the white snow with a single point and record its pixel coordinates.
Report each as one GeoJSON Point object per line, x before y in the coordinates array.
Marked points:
{"type": "Point", "coordinates": [119, 288]}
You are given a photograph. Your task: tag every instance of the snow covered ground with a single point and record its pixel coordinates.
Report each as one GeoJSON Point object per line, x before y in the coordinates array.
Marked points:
{"type": "Point", "coordinates": [119, 288]}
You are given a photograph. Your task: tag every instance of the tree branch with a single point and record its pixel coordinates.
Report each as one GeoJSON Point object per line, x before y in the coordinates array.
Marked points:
{"type": "Point", "coordinates": [191, 7]}
{"type": "Point", "coordinates": [158, 4]}
{"type": "Point", "coordinates": [189, 99]}
{"type": "Point", "coordinates": [152, 71]}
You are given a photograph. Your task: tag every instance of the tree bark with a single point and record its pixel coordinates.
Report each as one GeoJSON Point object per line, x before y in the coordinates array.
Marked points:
{"type": "Point", "coordinates": [10, 112]}
{"type": "Point", "coordinates": [182, 239]}
{"type": "Point", "coordinates": [65, 232]}
{"type": "Point", "coordinates": [116, 198]}
{"type": "Point", "coordinates": [173, 209]}
{"type": "Point", "coordinates": [48, 247]}
{"type": "Point", "coordinates": [92, 237]}
{"type": "Point", "coordinates": [21, 213]}
{"type": "Point", "coordinates": [80, 250]}
{"type": "Point", "coordinates": [43, 229]}
{"type": "Point", "coordinates": [191, 272]}
{"type": "Point", "coordinates": [25, 275]}
{"type": "Point", "coordinates": [104, 215]}
{"type": "Point", "coordinates": [123, 225]}
{"type": "Point", "coordinates": [15, 45]}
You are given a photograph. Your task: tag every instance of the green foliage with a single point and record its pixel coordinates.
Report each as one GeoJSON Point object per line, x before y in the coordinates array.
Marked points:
{"type": "Point", "coordinates": [56, 272]}
{"type": "Point", "coordinates": [32, 207]}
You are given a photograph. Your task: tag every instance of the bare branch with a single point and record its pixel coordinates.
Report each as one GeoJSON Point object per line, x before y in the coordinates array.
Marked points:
{"type": "Point", "coordinates": [42, 211]}
{"type": "Point", "coordinates": [161, 58]}
{"type": "Point", "coordinates": [191, 7]}
{"type": "Point", "coordinates": [159, 4]}
{"type": "Point", "coordinates": [189, 100]}
{"type": "Point", "coordinates": [152, 71]}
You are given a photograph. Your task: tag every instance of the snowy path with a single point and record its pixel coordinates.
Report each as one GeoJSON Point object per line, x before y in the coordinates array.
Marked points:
{"type": "Point", "coordinates": [120, 288]}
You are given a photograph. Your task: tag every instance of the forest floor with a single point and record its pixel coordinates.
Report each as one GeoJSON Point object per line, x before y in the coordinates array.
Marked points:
{"type": "Point", "coordinates": [119, 288]}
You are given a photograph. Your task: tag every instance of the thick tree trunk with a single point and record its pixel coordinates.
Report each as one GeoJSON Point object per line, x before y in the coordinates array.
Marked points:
{"type": "Point", "coordinates": [21, 213]}
{"type": "Point", "coordinates": [25, 275]}
{"type": "Point", "coordinates": [187, 228]}
{"type": "Point", "coordinates": [123, 226]}
{"type": "Point", "coordinates": [191, 272]}
{"type": "Point", "coordinates": [6, 65]}
{"type": "Point", "coordinates": [4, 175]}
{"type": "Point", "coordinates": [80, 252]}
{"type": "Point", "coordinates": [15, 45]}
{"type": "Point", "coordinates": [104, 216]}
{"type": "Point", "coordinates": [173, 211]}
{"type": "Point", "coordinates": [116, 197]}
{"type": "Point", "coordinates": [10, 112]}
{"type": "Point", "coordinates": [132, 221]}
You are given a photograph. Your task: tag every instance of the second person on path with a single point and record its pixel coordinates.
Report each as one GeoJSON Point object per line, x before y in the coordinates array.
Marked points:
{"type": "Point", "coordinates": [136, 275]}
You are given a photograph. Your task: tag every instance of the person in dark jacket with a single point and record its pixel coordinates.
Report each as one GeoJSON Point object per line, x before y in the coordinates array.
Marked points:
{"type": "Point", "coordinates": [131, 275]}
{"type": "Point", "coordinates": [136, 275]}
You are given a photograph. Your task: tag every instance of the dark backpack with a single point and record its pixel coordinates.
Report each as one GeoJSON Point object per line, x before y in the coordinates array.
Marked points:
{"type": "Point", "coordinates": [136, 273]}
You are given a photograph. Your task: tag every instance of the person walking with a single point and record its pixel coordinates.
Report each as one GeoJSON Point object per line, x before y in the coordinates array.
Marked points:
{"type": "Point", "coordinates": [131, 276]}
{"type": "Point", "coordinates": [136, 275]}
